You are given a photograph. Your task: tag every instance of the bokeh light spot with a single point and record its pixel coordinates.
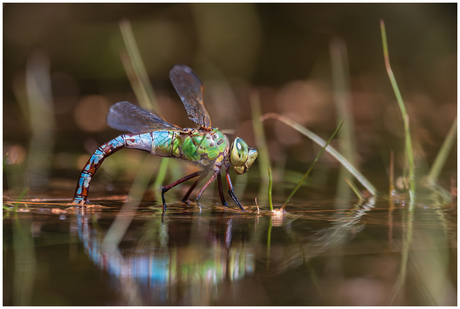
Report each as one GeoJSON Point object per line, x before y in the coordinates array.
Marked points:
{"type": "Point", "coordinates": [16, 154]}
{"type": "Point", "coordinates": [90, 113]}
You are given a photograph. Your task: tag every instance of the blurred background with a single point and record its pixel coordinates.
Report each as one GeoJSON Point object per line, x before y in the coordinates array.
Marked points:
{"type": "Point", "coordinates": [62, 71]}
{"type": "Point", "coordinates": [64, 65]}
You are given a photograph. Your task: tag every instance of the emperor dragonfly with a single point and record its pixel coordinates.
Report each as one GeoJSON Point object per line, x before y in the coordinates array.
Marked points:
{"type": "Point", "coordinates": [205, 146]}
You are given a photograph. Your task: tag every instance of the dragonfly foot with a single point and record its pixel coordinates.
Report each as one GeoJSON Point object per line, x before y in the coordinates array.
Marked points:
{"type": "Point", "coordinates": [198, 203]}
{"type": "Point", "coordinates": [163, 197]}
{"type": "Point", "coordinates": [235, 199]}
{"type": "Point", "coordinates": [79, 201]}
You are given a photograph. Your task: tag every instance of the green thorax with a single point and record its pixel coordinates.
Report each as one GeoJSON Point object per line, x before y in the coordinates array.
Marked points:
{"type": "Point", "coordinates": [198, 146]}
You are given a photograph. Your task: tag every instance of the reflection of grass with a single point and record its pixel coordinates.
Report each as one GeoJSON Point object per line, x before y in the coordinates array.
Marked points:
{"type": "Point", "coordinates": [406, 244]}
{"type": "Point", "coordinates": [24, 255]}
{"type": "Point", "coordinates": [312, 165]}
{"type": "Point", "coordinates": [126, 214]}
{"type": "Point", "coordinates": [269, 236]}
{"type": "Point", "coordinates": [318, 140]}
{"type": "Point", "coordinates": [409, 153]}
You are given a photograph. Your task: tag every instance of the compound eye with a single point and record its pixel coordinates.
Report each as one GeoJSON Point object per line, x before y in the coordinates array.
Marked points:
{"type": "Point", "coordinates": [238, 152]}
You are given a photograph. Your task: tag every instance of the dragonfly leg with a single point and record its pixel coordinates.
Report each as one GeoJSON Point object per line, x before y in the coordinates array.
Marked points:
{"type": "Point", "coordinates": [175, 183]}
{"type": "Point", "coordinates": [221, 192]}
{"type": "Point", "coordinates": [231, 192]}
{"type": "Point", "coordinates": [186, 196]}
{"type": "Point", "coordinates": [213, 177]}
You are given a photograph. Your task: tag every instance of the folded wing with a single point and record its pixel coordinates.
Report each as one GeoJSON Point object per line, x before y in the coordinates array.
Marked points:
{"type": "Point", "coordinates": [125, 116]}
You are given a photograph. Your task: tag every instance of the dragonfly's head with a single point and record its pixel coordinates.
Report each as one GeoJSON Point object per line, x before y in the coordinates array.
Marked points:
{"type": "Point", "coordinates": [242, 156]}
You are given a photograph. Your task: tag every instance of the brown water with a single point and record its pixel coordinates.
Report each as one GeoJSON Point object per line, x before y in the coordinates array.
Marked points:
{"type": "Point", "coordinates": [311, 255]}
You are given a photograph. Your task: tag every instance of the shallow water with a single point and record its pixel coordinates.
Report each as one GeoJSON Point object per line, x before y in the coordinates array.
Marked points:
{"type": "Point", "coordinates": [311, 255]}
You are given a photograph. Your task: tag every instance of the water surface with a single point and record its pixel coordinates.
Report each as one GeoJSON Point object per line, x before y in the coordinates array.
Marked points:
{"type": "Point", "coordinates": [370, 254]}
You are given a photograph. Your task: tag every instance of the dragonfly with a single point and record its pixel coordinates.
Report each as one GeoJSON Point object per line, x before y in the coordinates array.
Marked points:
{"type": "Point", "coordinates": [204, 145]}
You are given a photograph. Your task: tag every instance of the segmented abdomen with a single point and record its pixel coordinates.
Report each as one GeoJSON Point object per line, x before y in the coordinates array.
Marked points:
{"type": "Point", "coordinates": [138, 141]}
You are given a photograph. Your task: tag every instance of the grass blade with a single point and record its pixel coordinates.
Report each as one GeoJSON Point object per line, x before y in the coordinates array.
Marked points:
{"type": "Point", "coordinates": [342, 99]}
{"type": "Point", "coordinates": [161, 175]}
{"type": "Point", "coordinates": [270, 183]}
{"type": "Point", "coordinates": [21, 196]}
{"type": "Point", "coordinates": [312, 165]}
{"type": "Point", "coordinates": [442, 154]}
{"type": "Point", "coordinates": [263, 158]}
{"type": "Point", "coordinates": [318, 140]}
{"type": "Point", "coordinates": [135, 69]}
{"type": "Point", "coordinates": [409, 153]}
{"type": "Point", "coordinates": [355, 189]}
{"type": "Point", "coordinates": [138, 77]}
{"type": "Point", "coordinates": [4, 160]}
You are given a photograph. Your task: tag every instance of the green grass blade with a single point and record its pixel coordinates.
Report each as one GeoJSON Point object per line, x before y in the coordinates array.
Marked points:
{"type": "Point", "coordinates": [21, 196]}
{"type": "Point", "coordinates": [312, 164]}
{"type": "Point", "coordinates": [263, 158]}
{"type": "Point", "coordinates": [318, 140]}
{"type": "Point", "coordinates": [138, 77]}
{"type": "Point", "coordinates": [442, 154]}
{"type": "Point", "coordinates": [161, 173]}
{"type": "Point", "coordinates": [4, 160]}
{"type": "Point", "coordinates": [342, 99]}
{"type": "Point", "coordinates": [135, 69]}
{"type": "Point", "coordinates": [270, 183]}
{"type": "Point", "coordinates": [409, 153]}
{"type": "Point", "coordinates": [355, 189]}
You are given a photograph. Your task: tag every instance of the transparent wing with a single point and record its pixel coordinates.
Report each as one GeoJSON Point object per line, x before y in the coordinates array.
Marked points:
{"type": "Point", "coordinates": [125, 116]}
{"type": "Point", "coordinates": [191, 91]}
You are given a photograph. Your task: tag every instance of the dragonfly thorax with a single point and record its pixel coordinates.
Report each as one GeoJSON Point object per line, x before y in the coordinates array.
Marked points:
{"type": "Point", "coordinates": [203, 147]}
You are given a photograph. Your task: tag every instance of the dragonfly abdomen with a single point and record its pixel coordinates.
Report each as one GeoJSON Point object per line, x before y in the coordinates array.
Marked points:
{"type": "Point", "coordinates": [137, 141]}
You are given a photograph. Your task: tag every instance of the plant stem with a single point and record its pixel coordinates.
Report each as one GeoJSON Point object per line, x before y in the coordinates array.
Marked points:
{"type": "Point", "coordinates": [312, 165]}
{"type": "Point", "coordinates": [261, 143]}
{"type": "Point", "coordinates": [409, 153]}
{"type": "Point", "coordinates": [442, 154]}
{"type": "Point", "coordinates": [270, 183]}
